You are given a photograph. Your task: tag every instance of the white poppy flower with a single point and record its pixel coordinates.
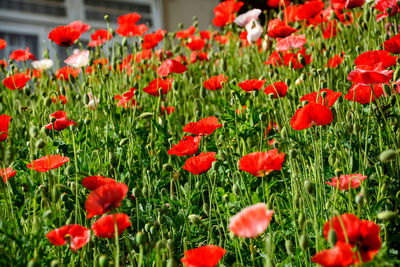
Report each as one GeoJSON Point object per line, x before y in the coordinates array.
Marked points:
{"type": "Point", "coordinates": [43, 64]}
{"type": "Point", "coordinates": [254, 31]}
{"type": "Point", "coordinates": [93, 101]}
{"type": "Point", "coordinates": [78, 60]}
{"type": "Point", "coordinates": [245, 18]}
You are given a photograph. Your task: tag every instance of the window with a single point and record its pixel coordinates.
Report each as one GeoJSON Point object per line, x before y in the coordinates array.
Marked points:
{"type": "Point", "coordinates": [18, 41]}
{"type": "Point", "coordinates": [47, 7]}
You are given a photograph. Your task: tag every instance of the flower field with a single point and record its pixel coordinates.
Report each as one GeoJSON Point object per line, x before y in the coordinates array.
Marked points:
{"type": "Point", "coordinates": [249, 144]}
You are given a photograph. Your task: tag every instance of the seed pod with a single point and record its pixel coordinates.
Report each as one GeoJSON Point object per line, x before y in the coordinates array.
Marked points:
{"type": "Point", "coordinates": [289, 247]}
{"type": "Point", "coordinates": [303, 241]}
{"type": "Point", "coordinates": [387, 215]}
{"type": "Point", "coordinates": [33, 131]}
{"type": "Point", "coordinates": [309, 186]}
{"type": "Point", "coordinates": [140, 238]}
{"type": "Point", "coordinates": [387, 155]}
{"type": "Point", "coordinates": [332, 237]}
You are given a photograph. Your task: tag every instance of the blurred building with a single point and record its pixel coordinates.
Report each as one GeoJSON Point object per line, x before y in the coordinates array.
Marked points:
{"type": "Point", "coordinates": [26, 23]}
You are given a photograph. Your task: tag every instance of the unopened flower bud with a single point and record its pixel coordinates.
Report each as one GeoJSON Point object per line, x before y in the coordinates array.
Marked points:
{"type": "Point", "coordinates": [103, 261]}
{"type": "Point", "coordinates": [289, 247]}
{"type": "Point", "coordinates": [195, 219]}
{"type": "Point", "coordinates": [140, 238]}
{"type": "Point", "coordinates": [387, 215]}
{"type": "Point", "coordinates": [309, 186]}
{"type": "Point", "coordinates": [387, 155]}
{"type": "Point", "coordinates": [332, 237]}
{"type": "Point", "coordinates": [303, 241]}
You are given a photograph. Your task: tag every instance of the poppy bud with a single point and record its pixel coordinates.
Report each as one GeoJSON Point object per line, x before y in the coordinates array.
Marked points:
{"type": "Point", "coordinates": [123, 141]}
{"type": "Point", "coordinates": [47, 101]}
{"type": "Point", "coordinates": [289, 247]}
{"type": "Point", "coordinates": [309, 186]}
{"type": "Point", "coordinates": [236, 189]}
{"type": "Point", "coordinates": [53, 119]}
{"type": "Point", "coordinates": [103, 261]}
{"type": "Point", "coordinates": [86, 99]}
{"type": "Point", "coordinates": [167, 167]}
{"type": "Point", "coordinates": [87, 121]}
{"type": "Point", "coordinates": [303, 241]}
{"type": "Point", "coordinates": [357, 128]}
{"type": "Point", "coordinates": [387, 215]}
{"type": "Point", "coordinates": [301, 220]}
{"type": "Point", "coordinates": [147, 227]}
{"type": "Point", "coordinates": [349, 128]}
{"type": "Point", "coordinates": [145, 115]}
{"type": "Point", "coordinates": [359, 199]}
{"type": "Point", "coordinates": [195, 219]}
{"type": "Point", "coordinates": [206, 209]}
{"type": "Point", "coordinates": [338, 172]}
{"type": "Point", "coordinates": [301, 59]}
{"type": "Point", "coordinates": [33, 263]}
{"type": "Point", "coordinates": [33, 131]}
{"type": "Point", "coordinates": [54, 263]}
{"type": "Point", "coordinates": [387, 155]}
{"type": "Point", "coordinates": [171, 263]}
{"type": "Point", "coordinates": [386, 89]}
{"type": "Point", "coordinates": [284, 134]}
{"type": "Point", "coordinates": [140, 238]}
{"type": "Point", "coordinates": [225, 197]}
{"type": "Point", "coordinates": [281, 16]}
{"type": "Point", "coordinates": [40, 144]}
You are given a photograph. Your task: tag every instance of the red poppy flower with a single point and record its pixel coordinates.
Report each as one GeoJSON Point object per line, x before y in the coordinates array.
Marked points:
{"type": "Point", "coordinates": [328, 100]}
{"type": "Point", "coordinates": [16, 81]}
{"type": "Point", "coordinates": [362, 93]}
{"type": "Point", "coordinates": [170, 66]}
{"type": "Point", "coordinates": [74, 234]}
{"type": "Point", "coordinates": [347, 181]}
{"type": "Point", "coordinates": [22, 55]}
{"type": "Point", "coordinates": [340, 255]}
{"type": "Point", "coordinates": [131, 18]}
{"type": "Point", "coordinates": [215, 82]}
{"type": "Point", "coordinates": [64, 35]}
{"type": "Point", "coordinates": [277, 3]}
{"type": "Point", "coordinates": [99, 37]}
{"type": "Point", "coordinates": [291, 42]}
{"type": "Point", "coordinates": [225, 12]}
{"type": "Point", "coordinates": [34, 73]}
{"type": "Point", "coordinates": [125, 98]}
{"type": "Point", "coordinates": [291, 58]}
{"type": "Point", "coordinates": [262, 163]}
{"type": "Point", "coordinates": [196, 43]}
{"type": "Point", "coordinates": [187, 146]}
{"type": "Point", "coordinates": [364, 235]}
{"type": "Point", "coordinates": [4, 123]}
{"type": "Point", "coordinates": [3, 43]}
{"type": "Point", "coordinates": [168, 109]}
{"type": "Point", "coordinates": [379, 59]}
{"type": "Point", "coordinates": [151, 40]}
{"type": "Point", "coordinates": [94, 182]}
{"type": "Point", "coordinates": [200, 164]}
{"type": "Point", "coordinates": [80, 27]}
{"type": "Point", "coordinates": [277, 88]}
{"type": "Point", "coordinates": [279, 29]}
{"type": "Point", "coordinates": [61, 121]}
{"type": "Point", "coordinates": [62, 99]}
{"type": "Point", "coordinates": [105, 198]}
{"type": "Point", "coordinates": [128, 30]}
{"type": "Point", "coordinates": [290, 13]}
{"type": "Point", "coordinates": [205, 35]}
{"type": "Point", "coordinates": [7, 173]}
{"type": "Point", "coordinates": [370, 77]}
{"type": "Point", "coordinates": [222, 39]}
{"type": "Point", "coordinates": [47, 163]}
{"type": "Point", "coordinates": [207, 256]}
{"type": "Point", "coordinates": [105, 226]}
{"type": "Point", "coordinates": [252, 85]}
{"type": "Point", "coordinates": [310, 115]}
{"type": "Point", "coordinates": [386, 6]}
{"type": "Point", "coordinates": [274, 59]}
{"type": "Point", "coordinates": [67, 71]}
{"type": "Point", "coordinates": [310, 9]}
{"type": "Point", "coordinates": [331, 30]}
{"type": "Point", "coordinates": [205, 126]}
{"type": "Point", "coordinates": [393, 44]}
{"type": "Point", "coordinates": [155, 85]}
{"type": "Point", "coordinates": [197, 55]}
{"type": "Point", "coordinates": [354, 3]}
{"type": "Point", "coordinates": [251, 221]}
{"type": "Point", "coordinates": [335, 60]}
{"type": "Point", "coordinates": [185, 33]}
